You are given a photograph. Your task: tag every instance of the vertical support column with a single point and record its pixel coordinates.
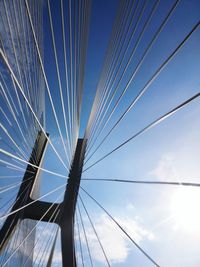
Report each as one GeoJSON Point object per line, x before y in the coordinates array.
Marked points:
{"type": "Point", "coordinates": [69, 205]}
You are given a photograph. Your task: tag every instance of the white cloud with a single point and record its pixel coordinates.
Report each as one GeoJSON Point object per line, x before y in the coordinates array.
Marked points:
{"type": "Point", "coordinates": [165, 168]}
{"type": "Point", "coordinates": [130, 207]}
{"type": "Point", "coordinates": [116, 244]}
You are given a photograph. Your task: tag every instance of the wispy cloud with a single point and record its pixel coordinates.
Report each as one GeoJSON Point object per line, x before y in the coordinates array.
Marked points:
{"type": "Point", "coordinates": [165, 168]}
{"type": "Point", "coordinates": [110, 234]}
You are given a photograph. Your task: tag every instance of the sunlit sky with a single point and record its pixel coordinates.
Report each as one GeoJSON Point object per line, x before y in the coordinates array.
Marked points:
{"type": "Point", "coordinates": [163, 219]}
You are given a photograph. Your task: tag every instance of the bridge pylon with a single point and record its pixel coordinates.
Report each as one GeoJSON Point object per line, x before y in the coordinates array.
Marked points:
{"type": "Point", "coordinates": [45, 211]}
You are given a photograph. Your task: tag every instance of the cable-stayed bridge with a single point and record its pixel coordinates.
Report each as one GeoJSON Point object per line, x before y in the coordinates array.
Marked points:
{"type": "Point", "coordinates": [99, 106]}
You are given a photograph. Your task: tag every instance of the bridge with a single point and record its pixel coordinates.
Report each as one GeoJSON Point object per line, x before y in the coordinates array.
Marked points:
{"type": "Point", "coordinates": [99, 123]}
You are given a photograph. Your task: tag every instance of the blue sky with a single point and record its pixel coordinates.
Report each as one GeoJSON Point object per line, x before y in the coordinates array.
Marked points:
{"type": "Point", "coordinates": [151, 214]}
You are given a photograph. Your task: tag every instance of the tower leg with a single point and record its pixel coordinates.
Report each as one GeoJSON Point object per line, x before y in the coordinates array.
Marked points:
{"type": "Point", "coordinates": [25, 190]}
{"type": "Point", "coordinates": [69, 205]}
